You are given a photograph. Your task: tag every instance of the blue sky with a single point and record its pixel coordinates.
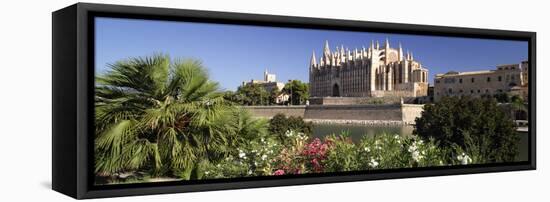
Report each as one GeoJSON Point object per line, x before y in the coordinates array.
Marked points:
{"type": "Point", "coordinates": [235, 53]}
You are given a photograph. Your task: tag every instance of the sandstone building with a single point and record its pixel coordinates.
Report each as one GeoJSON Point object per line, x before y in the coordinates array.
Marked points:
{"type": "Point", "coordinates": [269, 83]}
{"type": "Point", "coordinates": [509, 78]}
{"type": "Point", "coordinates": [370, 72]}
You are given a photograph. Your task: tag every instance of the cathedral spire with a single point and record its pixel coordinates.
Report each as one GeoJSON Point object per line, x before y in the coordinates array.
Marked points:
{"type": "Point", "coordinates": [387, 45]}
{"type": "Point", "coordinates": [412, 57]}
{"type": "Point", "coordinates": [326, 52]}
{"type": "Point", "coordinates": [377, 45]}
{"type": "Point", "coordinates": [400, 52]}
{"type": "Point", "coordinates": [313, 60]}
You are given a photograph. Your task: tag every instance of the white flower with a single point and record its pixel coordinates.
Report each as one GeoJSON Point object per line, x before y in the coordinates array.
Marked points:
{"type": "Point", "coordinates": [416, 156]}
{"type": "Point", "coordinates": [373, 163]}
{"type": "Point", "coordinates": [396, 137]}
{"type": "Point", "coordinates": [367, 149]}
{"type": "Point", "coordinates": [412, 148]}
{"type": "Point", "coordinates": [288, 133]}
{"type": "Point", "coordinates": [264, 157]}
{"type": "Point", "coordinates": [464, 159]}
{"type": "Point", "coordinates": [206, 172]}
{"type": "Point", "coordinates": [250, 172]}
{"type": "Point", "coordinates": [242, 154]}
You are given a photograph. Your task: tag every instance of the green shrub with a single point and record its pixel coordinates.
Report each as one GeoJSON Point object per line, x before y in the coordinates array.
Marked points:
{"type": "Point", "coordinates": [342, 154]}
{"type": "Point", "coordinates": [394, 151]}
{"type": "Point", "coordinates": [279, 125]}
{"type": "Point", "coordinates": [477, 126]}
{"type": "Point", "coordinates": [252, 159]}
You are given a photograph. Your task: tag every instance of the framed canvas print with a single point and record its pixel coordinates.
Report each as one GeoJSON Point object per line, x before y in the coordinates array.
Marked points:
{"type": "Point", "coordinates": [155, 100]}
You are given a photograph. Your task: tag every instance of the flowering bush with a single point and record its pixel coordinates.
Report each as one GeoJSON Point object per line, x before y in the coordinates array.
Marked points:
{"type": "Point", "coordinates": [388, 152]}
{"type": "Point", "coordinates": [384, 151]}
{"type": "Point", "coordinates": [280, 125]}
{"type": "Point", "coordinates": [289, 159]}
{"type": "Point", "coordinates": [315, 153]}
{"type": "Point", "coordinates": [253, 158]}
{"type": "Point", "coordinates": [335, 153]}
{"type": "Point", "coordinates": [342, 155]}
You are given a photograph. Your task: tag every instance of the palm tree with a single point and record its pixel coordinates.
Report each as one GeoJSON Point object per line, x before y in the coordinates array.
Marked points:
{"type": "Point", "coordinates": [518, 106]}
{"type": "Point", "coordinates": [161, 116]}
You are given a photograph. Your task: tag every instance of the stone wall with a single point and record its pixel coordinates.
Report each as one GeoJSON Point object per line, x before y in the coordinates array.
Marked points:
{"type": "Point", "coordinates": [368, 113]}
{"type": "Point", "coordinates": [359, 100]}
{"type": "Point", "coordinates": [270, 111]}
{"type": "Point", "coordinates": [410, 112]}
{"type": "Point", "coordinates": [354, 112]}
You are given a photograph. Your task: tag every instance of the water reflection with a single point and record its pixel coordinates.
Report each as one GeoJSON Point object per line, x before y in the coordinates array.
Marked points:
{"type": "Point", "coordinates": [358, 131]}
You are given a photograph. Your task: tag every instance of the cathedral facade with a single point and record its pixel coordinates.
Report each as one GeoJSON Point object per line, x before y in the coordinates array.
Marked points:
{"type": "Point", "coordinates": [370, 72]}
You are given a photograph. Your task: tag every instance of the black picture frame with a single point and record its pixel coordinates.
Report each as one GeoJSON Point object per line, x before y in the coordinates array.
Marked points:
{"type": "Point", "coordinates": [73, 92]}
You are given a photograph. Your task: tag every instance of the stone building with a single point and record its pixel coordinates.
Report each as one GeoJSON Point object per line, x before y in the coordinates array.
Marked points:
{"type": "Point", "coordinates": [370, 72]}
{"type": "Point", "coordinates": [269, 83]}
{"type": "Point", "coordinates": [509, 78]}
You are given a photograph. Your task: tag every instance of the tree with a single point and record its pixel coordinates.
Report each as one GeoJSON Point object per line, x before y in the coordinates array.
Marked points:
{"type": "Point", "coordinates": [162, 116]}
{"type": "Point", "coordinates": [275, 92]}
{"type": "Point", "coordinates": [502, 97]}
{"type": "Point", "coordinates": [253, 94]}
{"type": "Point", "coordinates": [298, 91]}
{"type": "Point", "coordinates": [518, 107]}
{"type": "Point", "coordinates": [476, 125]}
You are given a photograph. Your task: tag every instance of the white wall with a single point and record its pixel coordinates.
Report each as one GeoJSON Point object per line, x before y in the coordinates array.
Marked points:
{"type": "Point", "coordinates": [25, 100]}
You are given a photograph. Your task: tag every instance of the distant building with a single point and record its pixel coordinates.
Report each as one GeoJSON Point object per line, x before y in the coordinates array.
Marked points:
{"type": "Point", "coordinates": [282, 98]}
{"type": "Point", "coordinates": [269, 83]}
{"type": "Point", "coordinates": [509, 78]}
{"type": "Point", "coordinates": [370, 72]}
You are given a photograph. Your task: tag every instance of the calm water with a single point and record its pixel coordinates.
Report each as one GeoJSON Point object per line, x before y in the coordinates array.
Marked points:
{"type": "Point", "coordinates": [357, 131]}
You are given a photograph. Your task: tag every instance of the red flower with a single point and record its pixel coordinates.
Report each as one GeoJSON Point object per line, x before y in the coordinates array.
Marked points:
{"type": "Point", "coordinates": [315, 152]}
{"type": "Point", "coordinates": [279, 172]}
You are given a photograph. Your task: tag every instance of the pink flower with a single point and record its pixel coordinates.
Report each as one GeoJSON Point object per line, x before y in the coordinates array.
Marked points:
{"type": "Point", "coordinates": [279, 172]}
